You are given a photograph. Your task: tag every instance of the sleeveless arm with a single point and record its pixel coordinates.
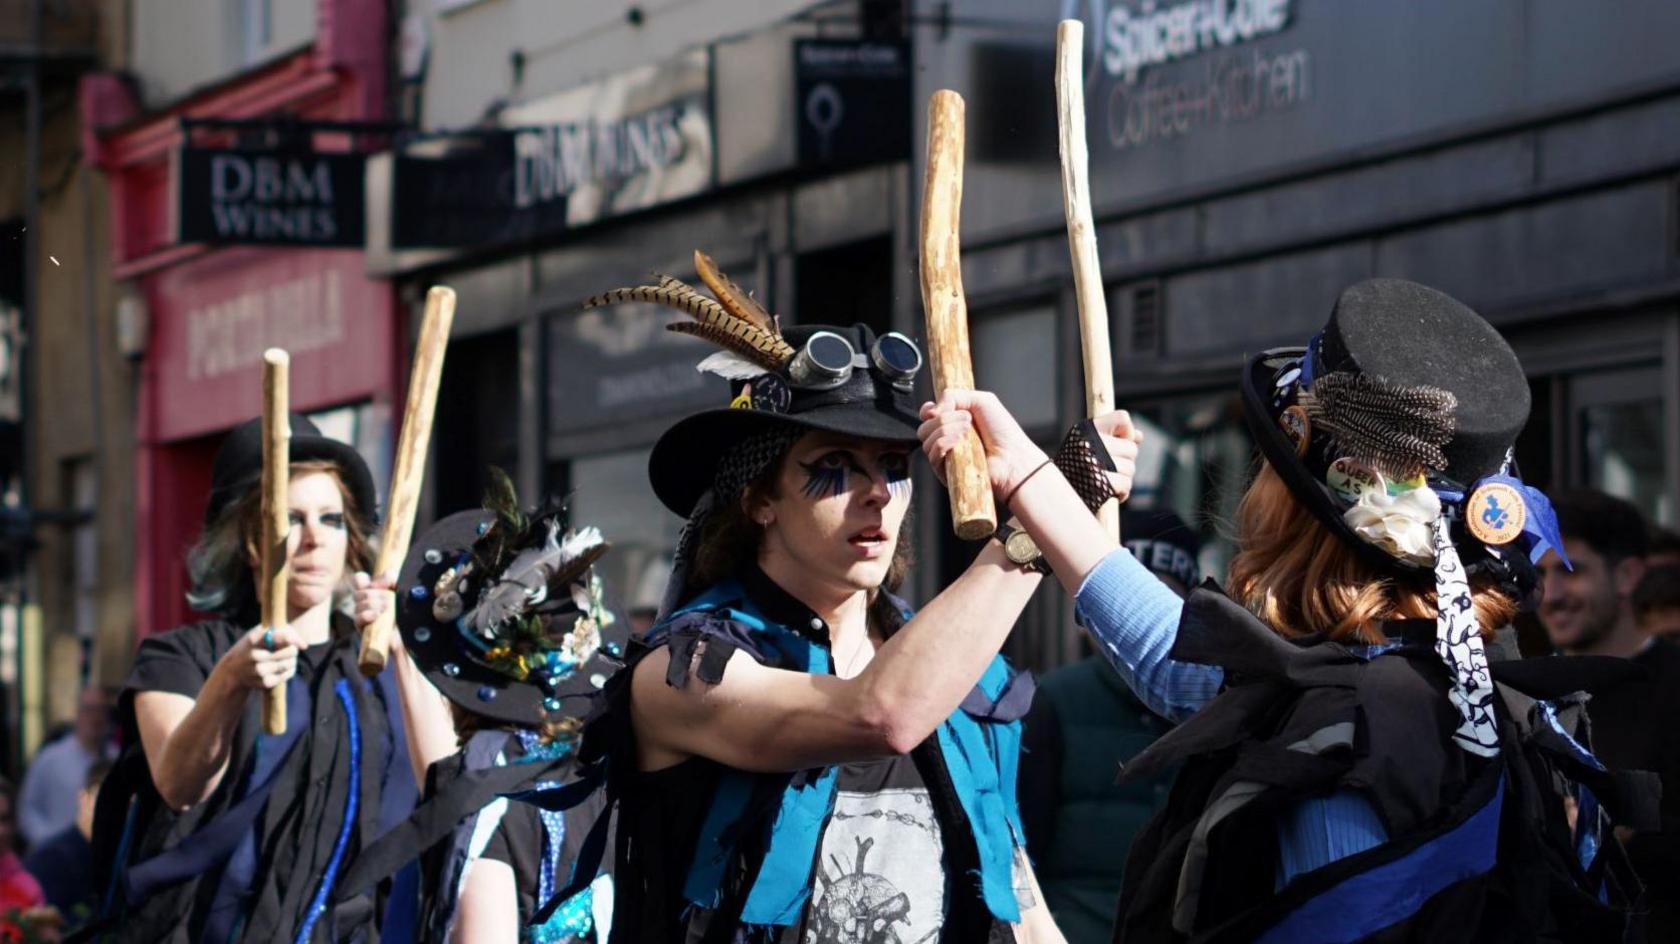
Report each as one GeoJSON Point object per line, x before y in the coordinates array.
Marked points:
{"type": "Point", "coordinates": [1133, 617]}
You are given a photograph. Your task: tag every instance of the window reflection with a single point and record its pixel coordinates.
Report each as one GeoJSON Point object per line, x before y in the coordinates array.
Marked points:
{"type": "Point", "coordinates": [611, 492]}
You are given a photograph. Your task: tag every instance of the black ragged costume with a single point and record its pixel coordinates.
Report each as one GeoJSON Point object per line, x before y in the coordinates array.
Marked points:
{"type": "Point", "coordinates": [1479, 848]}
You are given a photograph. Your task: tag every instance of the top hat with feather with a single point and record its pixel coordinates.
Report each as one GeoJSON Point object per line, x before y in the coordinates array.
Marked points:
{"type": "Point", "coordinates": [503, 612]}
{"type": "Point", "coordinates": [782, 384]}
{"type": "Point", "coordinates": [766, 388]}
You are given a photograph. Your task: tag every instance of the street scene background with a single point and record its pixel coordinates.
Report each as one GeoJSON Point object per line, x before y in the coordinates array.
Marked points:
{"type": "Point", "coordinates": [184, 183]}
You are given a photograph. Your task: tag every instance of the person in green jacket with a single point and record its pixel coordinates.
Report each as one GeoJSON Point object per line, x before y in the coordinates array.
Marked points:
{"type": "Point", "coordinates": [1079, 822]}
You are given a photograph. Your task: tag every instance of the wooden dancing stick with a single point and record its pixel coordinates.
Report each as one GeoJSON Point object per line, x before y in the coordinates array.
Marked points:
{"type": "Point", "coordinates": [972, 510]}
{"type": "Point", "coordinates": [276, 516]}
{"type": "Point", "coordinates": [1082, 235]}
{"type": "Point", "coordinates": [410, 471]}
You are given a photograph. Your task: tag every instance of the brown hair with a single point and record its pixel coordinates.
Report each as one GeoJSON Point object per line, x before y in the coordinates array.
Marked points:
{"type": "Point", "coordinates": [1301, 579]}
{"type": "Point", "coordinates": [730, 541]}
{"type": "Point", "coordinates": [220, 563]}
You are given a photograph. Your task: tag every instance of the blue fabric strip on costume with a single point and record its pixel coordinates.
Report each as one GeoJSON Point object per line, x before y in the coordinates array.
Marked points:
{"type": "Point", "coordinates": [1363, 904]}
{"type": "Point", "coordinates": [978, 756]}
{"type": "Point", "coordinates": [319, 904]}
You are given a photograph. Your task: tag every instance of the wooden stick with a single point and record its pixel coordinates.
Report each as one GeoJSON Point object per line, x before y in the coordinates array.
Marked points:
{"type": "Point", "coordinates": [410, 471]}
{"type": "Point", "coordinates": [1082, 235]}
{"type": "Point", "coordinates": [973, 513]}
{"type": "Point", "coordinates": [276, 516]}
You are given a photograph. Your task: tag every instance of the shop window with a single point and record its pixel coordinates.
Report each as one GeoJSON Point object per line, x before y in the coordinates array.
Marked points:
{"type": "Point", "coordinates": [1015, 357]}
{"type": "Point", "coordinates": [478, 417]}
{"type": "Point", "coordinates": [1196, 460]}
{"type": "Point", "coordinates": [845, 285]}
{"type": "Point", "coordinates": [610, 491]}
{"type": "Point", "coordinates": [1620, 439]}
{"type": "Point", "coordinates": [367, 427]}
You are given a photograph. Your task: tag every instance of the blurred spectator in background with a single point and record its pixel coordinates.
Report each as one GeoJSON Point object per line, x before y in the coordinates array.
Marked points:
{"type": "Point", "coordinates": [64, 863]}
{"type": "Point", "coordinates": [47, 803]}
{"type": "Point", "coordinates": [1079, 822]}
{"type": "Point", "coordinates": [1590, 611]}
{"type": "Point", "coordinates": [1656, 601]}
{"type": "Point", "coordinates": [1664, 548]}
{"type": "Point", "coordinates": [18, 889]}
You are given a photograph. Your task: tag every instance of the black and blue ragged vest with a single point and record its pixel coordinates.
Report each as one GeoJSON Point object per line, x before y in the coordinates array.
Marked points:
{"type": "Point", "coordinates": [979, 744]}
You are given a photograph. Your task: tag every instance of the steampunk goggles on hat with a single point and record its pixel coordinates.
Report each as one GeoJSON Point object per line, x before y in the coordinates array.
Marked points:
{"type": "Point", "coordinates": [827, 360]}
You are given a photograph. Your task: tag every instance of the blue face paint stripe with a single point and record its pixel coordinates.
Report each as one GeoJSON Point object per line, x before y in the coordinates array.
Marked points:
{"type": "Point", "coordinates": [823, 481]}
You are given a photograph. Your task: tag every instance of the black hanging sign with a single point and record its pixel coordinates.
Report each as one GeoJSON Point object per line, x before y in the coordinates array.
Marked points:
{"type": "Point", "coordinates": [853, 101]}
{"type": "Point", "coordinates": [277, 197]}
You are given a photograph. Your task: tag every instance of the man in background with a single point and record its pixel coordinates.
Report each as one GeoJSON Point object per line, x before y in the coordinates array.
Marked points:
{"type": "Point", "coordinates": [47, 799]}
{"type": "Point", "coordinates": [1589, 611]}
{"type": "Point", "coordinates": [64, 863]}
{"type": "Point", "coordinates": [1083, 725]}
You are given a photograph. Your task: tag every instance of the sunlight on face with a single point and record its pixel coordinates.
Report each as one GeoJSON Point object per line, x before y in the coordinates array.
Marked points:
{"type": "Point", "coordinates": [318, 541]}
{"type": "Point", "coordinates": [838, 505]}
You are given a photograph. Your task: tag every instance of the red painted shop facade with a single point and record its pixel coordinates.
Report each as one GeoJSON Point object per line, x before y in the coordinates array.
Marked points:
{"type": "Point", "coordinates": [211, 307]}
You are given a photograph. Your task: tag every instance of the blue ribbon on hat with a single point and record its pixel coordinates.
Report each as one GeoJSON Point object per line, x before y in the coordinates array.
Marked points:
{"type": "Point", "coordinates": [1540, 525]}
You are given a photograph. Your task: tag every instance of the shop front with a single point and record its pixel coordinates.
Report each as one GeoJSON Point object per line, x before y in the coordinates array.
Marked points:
{"type": "Point", "coordinates": [1250, 158]}
{"type": "Point", "coordinates": [237, 221]}
{"type": "Point", "coordinates": [750, 148]}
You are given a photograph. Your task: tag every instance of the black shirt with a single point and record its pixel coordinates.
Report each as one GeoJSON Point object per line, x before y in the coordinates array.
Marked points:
{"type": "Point", "coordinates": [1636, 726]}
{"type": "Point", "coordinates": [283, 858]}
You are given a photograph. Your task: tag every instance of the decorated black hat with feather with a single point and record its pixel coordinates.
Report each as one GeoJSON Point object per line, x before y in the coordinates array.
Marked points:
{"type": "Point", "coordinates": [1395, 426]}
{"type": "Point", "coordinates": [503, 612]}
{"type": "Point", "coordinates": [782, 384]}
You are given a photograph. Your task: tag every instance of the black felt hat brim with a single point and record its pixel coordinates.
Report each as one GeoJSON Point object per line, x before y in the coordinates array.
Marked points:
{"type": "Point", "coordinates": [684, 460]}
{"type": "Point", "coordinates": [476, 686]}
{"type": "Point", "coordinates": [238, 466]}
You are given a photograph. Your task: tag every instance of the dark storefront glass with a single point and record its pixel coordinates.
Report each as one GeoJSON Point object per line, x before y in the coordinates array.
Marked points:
{"type": "Point", "coordinates": [610, 491]}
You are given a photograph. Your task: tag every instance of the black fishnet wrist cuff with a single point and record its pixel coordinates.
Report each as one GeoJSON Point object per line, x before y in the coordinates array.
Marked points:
{"type": "Point", "coordinates": [1083, 460]}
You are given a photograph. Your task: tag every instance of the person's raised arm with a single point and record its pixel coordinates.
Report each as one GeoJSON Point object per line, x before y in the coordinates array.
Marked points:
{"type": "Point", "coordinates": [188, 739]}
{"type": "Point", "coordinates": [428, 723]}
{"type": "Point", "coordinates": [1131, 615]}
{"type": "Point", "coordinates": [766, 719]}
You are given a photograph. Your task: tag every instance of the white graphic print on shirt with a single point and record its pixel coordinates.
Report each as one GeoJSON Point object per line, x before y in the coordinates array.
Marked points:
{"type": "Point", "coordinates": [880, 874]}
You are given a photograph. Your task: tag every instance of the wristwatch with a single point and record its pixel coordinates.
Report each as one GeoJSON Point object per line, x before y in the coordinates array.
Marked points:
{"type": "Point", "coordinates": [1020, 548]}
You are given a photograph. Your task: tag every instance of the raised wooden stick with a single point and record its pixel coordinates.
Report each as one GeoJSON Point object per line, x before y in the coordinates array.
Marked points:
{"type": "Point", "coordinates": [973, 513]}
{"type": "Point", "coordinates": [276, 515]}
{"type": "Point", "coordinates": [1082, 235]}
{"type": "Point", "coordinates": [410, 471]}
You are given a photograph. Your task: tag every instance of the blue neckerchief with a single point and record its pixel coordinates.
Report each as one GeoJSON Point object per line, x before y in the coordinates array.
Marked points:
{"type": "Point", "coordinates": [980, 759]}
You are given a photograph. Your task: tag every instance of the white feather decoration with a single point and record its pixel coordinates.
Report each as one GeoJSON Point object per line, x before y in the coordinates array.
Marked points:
{"type": "Point", "coordinates": [730, 366]}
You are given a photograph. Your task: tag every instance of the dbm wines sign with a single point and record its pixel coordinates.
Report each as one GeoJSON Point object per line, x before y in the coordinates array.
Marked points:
{"type": "Point", "coordinates": [296, 198]}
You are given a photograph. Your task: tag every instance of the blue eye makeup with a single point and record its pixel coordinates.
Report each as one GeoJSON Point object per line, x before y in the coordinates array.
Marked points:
{"type": "Point", "coordinates": [895, 467]}
{"type": "Point", "coordinates": [826, 477]}
{"type": "Point", "coordinates": [333, 519]}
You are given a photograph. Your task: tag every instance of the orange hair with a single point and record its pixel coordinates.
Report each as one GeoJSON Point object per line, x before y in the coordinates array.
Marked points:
{"type": "Point", "coordinates": [1301, 579]}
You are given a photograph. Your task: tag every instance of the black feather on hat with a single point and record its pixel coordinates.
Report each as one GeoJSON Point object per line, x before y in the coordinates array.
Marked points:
{"type": "Point", "coordinates": [503, 612]}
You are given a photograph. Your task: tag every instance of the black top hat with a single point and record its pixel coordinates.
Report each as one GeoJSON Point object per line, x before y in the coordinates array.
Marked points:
{"type": "Point", "coordinates": [1404, 386]}
{"type": "Point", "coordinates": [239, 466]}
{"type": "Point", "coordinates": [813, 377]}
{"type": "Point", "coordinates": [503, 614]}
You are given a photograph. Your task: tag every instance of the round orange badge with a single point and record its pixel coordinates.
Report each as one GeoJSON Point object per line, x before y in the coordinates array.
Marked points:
{"type": "Point", "coordinates": [1495, 513]}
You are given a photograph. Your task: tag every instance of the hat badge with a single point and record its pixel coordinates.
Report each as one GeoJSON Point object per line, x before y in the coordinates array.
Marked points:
{"type": "Point", "coordinates": [1495, 513]}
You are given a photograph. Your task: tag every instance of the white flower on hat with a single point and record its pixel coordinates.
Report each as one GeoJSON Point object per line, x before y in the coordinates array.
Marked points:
{"type": "Point", "coordinates": [1400, 524]}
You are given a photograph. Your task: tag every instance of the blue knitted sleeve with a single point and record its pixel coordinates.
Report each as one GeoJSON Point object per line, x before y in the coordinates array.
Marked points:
{"type": "Point", "coordinates": [1133, 617]}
